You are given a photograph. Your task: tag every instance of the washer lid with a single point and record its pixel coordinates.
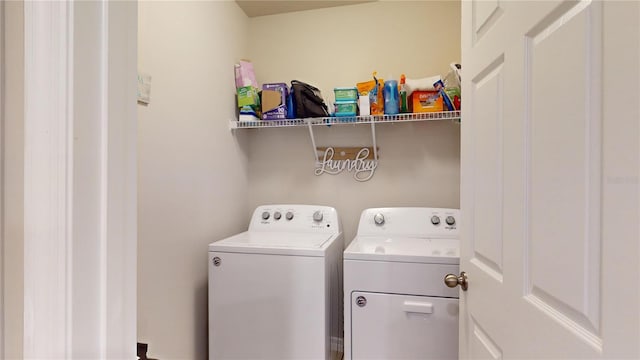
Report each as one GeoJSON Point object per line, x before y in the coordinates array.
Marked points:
{"type": "Point", "coordinates": [288, 243]}
{"type": "Point", "coordinates": [404, 249]}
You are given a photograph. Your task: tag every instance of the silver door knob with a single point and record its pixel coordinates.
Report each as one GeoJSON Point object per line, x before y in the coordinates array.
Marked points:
{"type": "Point", "coordinates": [452, 280]}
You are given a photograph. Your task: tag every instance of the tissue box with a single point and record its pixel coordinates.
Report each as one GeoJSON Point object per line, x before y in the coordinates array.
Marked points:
{"type": "Point", "coordinates": [274, 101]}
{"type": "Point", "coordinates": [248, 96]}
{"type": "Point", "coordinates": [426, 101]}
{"type": "Point", "coordinates": [244, 74]}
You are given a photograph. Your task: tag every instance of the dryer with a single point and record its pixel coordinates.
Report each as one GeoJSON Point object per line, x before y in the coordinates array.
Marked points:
{"type": "Point", "coordinates": [275, 291]}
{"type": "Point", "coordinates": [396, 304]}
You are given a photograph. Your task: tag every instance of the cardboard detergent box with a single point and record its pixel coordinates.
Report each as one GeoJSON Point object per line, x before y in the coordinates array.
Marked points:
{"type": "Point", "coordinates": [274, 101]}
{"type": "Point", "coordinates": [426, 101]}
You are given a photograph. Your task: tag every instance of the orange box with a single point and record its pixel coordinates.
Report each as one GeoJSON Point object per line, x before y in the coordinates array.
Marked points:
{"type": "Point", "coordinates": [426, 101]}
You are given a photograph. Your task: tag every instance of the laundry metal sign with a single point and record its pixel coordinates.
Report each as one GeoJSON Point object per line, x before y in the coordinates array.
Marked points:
{"type": "Point", "coordinates": [360, 161]}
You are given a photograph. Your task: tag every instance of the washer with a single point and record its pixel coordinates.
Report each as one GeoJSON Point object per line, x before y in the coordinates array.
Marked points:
{"type": "Point", "coordinates": [396, 304]}
{"type": "Point", "coordinates": [275, 291]}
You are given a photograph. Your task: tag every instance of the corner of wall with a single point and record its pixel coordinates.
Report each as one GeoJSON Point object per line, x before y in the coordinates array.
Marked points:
{"type": "Point", "coordinates": [13, 181]}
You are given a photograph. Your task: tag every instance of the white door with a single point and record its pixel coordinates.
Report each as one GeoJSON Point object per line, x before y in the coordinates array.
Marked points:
{"type": "Point", "coordinates": [550, 177]}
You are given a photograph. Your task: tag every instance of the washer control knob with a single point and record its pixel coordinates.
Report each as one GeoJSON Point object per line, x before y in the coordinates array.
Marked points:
{"type": "Point", "coordinates": [450, 220]}
{"type": "Point", "coordinates": [277, 215]}
{"type": "Point", "coordinates": [289, 215]}
{"type": "Point", "coordinates": [378, 219]}
{"type": "Point", "coordinates": [435, 220]}
{"type": "Point", "coordinates": [317, 216]}
{"type": "Point", "coordinates": [265, 215]}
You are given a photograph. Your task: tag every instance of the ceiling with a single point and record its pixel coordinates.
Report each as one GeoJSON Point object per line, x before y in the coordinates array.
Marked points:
{"type": "Point", "coordinates": [255, 8]}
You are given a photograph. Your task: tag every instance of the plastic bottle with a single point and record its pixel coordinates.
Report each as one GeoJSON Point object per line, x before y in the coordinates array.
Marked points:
{"type": "Point", "coordinates": [404, 108]}
{"type": "Point", "coordinates": [391, 106]}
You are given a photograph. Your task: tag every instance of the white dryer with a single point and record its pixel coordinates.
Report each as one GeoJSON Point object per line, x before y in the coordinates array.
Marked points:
{"type": "Point", "coordinates": [275, 291]}
{"type": "Point", "coordinates": [396, 304]}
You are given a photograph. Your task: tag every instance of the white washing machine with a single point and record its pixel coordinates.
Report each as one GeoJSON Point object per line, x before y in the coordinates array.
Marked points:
{"type": "Point", "coordinates": [396, 304]}
{"type": "Point", "coordinates": [275, 291]}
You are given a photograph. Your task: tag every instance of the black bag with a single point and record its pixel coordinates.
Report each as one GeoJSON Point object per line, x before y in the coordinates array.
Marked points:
{"type": "Point", "coordinates": [307, 101]}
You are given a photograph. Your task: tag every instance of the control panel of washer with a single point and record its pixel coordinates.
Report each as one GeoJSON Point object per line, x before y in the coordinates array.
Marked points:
{"type": "Point", "coordinates": [419, 222]}
{"type": "Point", "coordinates": [314, 218]}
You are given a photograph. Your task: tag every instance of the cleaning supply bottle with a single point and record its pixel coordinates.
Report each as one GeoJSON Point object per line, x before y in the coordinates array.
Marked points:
{"type": "Point", "coordinates": [404, 107]}
{"type": "Point", "coordinates": [391, 106]}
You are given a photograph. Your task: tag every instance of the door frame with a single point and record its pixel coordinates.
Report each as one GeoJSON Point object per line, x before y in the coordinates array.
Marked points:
{"type": "Point", "coordinates": [2, 154]}
{"type": "Point", "coordinates": [80, 182]}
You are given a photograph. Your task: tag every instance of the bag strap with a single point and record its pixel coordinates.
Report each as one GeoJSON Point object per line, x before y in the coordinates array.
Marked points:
{"type": "Point", "coordinates": [300, 83]}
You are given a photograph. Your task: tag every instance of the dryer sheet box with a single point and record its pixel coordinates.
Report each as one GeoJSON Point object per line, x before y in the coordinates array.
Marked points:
{"type": "Point", "coordinates": [274, 101]}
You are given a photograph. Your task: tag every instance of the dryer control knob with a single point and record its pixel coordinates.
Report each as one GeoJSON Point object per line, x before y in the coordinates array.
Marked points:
{"type": "Point", "coordinates": [435, 220]}
{"type": "Point", "coordinates": [450, 220]}
{"type": "Point", "coordinates": [277, 215]}
{"type": "Point", "coordinates": [289, 215]}
{"type": "Point", "coordinates": [378, 219]}
{"type": "Point", "coordinates": [265, 215]}
{"type": "Point", "coordinates": [317, 216]}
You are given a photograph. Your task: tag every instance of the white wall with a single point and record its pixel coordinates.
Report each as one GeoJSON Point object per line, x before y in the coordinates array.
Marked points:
{"type": "Point", "coordinates": [192, 170]}
{"type": "Point", "coordinates": [13, 182]}
{"type": "Point", "coordinates": [419, 162]}
{"type": "Point", "coordinates": [342, 46]}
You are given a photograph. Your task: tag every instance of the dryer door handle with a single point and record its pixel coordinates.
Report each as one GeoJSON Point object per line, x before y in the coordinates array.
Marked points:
{"type": "Point", "coordinates": [417, 307]}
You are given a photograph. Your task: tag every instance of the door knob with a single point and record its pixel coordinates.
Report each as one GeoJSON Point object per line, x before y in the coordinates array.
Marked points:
{"type": "Point", "coordinates": [451, 280]}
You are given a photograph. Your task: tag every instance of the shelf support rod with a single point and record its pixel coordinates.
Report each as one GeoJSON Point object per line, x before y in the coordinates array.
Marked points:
{"type": "Point", "coordinates": [373, 135]}
{"type": "Point", "coordinates": [313, 141]}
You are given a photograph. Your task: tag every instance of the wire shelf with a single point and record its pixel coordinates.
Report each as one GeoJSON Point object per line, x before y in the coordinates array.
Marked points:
{"type": "Point", "coordinates": [346, 120]}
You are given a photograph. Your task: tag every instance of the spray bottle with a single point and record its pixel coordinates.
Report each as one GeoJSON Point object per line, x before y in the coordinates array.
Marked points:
{"type": "Point", "coordinates": [404, 108]}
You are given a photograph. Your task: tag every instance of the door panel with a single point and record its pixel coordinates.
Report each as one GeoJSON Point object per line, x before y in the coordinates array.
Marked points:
{"type": "Point", "coordinates": [488, 100]}
{"type": "Point", "coordinates": [564, 166]}
{"type": "Point", "coordinates": [485, 14]}
{"type": "Point", "coordinates": [482, 346]}
{"type": "Point", "coordinates": [550, 166]}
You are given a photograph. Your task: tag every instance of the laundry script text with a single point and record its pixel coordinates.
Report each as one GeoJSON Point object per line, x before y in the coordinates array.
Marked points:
{"type": "Point", "coordinates": [361, 168]}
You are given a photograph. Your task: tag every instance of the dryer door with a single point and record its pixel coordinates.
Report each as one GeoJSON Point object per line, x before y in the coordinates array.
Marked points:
{"type": "Point", "coordinates": [389, 326]}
